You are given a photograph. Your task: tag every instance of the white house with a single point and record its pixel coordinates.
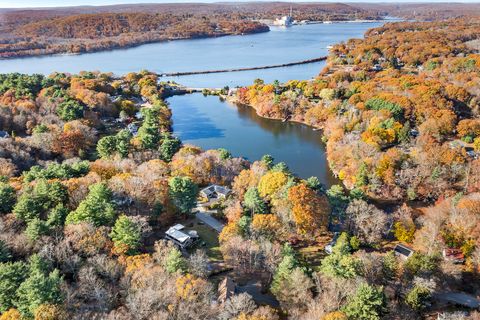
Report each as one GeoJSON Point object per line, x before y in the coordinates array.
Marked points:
{"type": "Point", "coordinates": [215, 192]}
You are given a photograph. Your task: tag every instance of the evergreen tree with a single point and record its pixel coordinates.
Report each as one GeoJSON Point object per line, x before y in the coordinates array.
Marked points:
{"type": "Point", "coordinates": [4, 252]}
{"type": "Point", "coordinates": [224, 154]}
{"type": "Point", "coordinates": [183, 193]}
{"type": "Point", "coordinates": [126, 233]}
{"type": "Point", "coordinates": [107, 146]}
{"type": "Point", "coordinates": [36, 228]}
{"type": "Point", "coordinates": [36, 202]}
{"type": "Point", "coordinates": [169, 146]}
{"type": "Point", "coordinates": [7, 197]}
{"type": "Point", "coordinates": [70, 110]}
{"type": "Point", "coordinates": [268, 160]}
{"type": "Point", "coordinates": [96, 208]}
{"type": "Point", "coordinates": [254, 202]}
{"type": "Point", "coordinates": [283, 272]}
{"type": "Point", "coordinates": [41, 287]}
{"type": "Point", "coordinates": [368, 303]}
{"type": "Point", "coordinates": [175, 262]}
{"type": "Point", "coordinates": [12, 274]}
{"type": "Point", "coordinates": [417, 297]}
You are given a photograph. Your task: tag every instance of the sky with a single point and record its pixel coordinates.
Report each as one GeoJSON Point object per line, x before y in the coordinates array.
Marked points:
{"type": "Point", "coordinates": [62, 3]}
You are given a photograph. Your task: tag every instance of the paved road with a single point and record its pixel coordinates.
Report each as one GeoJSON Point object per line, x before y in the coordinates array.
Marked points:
{"type": "Point", "coordinates": [209, 220]}
{"type": "Point", "coordinates": [459, 298]}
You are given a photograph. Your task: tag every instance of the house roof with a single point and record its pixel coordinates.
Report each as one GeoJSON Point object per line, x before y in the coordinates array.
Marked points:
{"type": "Point", "coordinates": [453, 254]}
{"type": "Point", "coordinates": [403, 250]}
{"type": "Point", "coordinates": [215, 189]}
{"type": "Point", "coordinates": [175, 233]}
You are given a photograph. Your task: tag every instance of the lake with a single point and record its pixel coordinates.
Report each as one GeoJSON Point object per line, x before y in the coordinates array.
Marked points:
{"type": "Point", "coordinates": [206, 121]}
{"type": "Point", "coordinates": [210, 123]}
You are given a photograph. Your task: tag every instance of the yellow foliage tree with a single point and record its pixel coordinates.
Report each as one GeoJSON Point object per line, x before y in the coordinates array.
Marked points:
{"type": "Point", "coordinates": [188, 287]}
{"type": "Point", "coordinates": [267, 225]}
{"type": "Point", "coordinates": [50, 312]}
{"type": "Point", "coordinates": [11, 314]}
{"type": "Point", "coordinates": [271, 182]}
{"type": "Point", "coordinates": [335, 315]}
{"type": "Point", "coordinates": [404, 231]}
{"type": "Point", "coordinates": [230, 230]}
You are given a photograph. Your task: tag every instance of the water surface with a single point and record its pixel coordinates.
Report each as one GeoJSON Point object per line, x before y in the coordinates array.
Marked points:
{"type": "Point", "coordinates": [280, 45]}
{"type": "Point", "coordinates": [210, 123]}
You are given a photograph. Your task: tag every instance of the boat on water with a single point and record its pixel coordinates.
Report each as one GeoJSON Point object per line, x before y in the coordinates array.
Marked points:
{"type": "Point", "coordinates": [285, 21]}
{"type": "Point", "coordinates": [330, 47]}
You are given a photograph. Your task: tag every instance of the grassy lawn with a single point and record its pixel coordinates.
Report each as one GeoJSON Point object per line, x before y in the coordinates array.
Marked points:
{"type": "Point", "coordinates": [208, 237]}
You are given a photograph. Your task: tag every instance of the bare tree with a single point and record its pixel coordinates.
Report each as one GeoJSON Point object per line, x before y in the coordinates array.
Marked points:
{"type": "Point", "coordinates": [233, 307]}
{"type": "Point", "coordinates": [198, 264]}
{"type": "Point", "coordinates": [366, 222]}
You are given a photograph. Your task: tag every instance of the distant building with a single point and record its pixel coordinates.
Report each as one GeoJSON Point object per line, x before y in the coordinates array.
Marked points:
{"type": "Point", "coordinates": [403, 251]}
{"type": "Point", "coordinates": [226, 290]}
{"type": "Point", "coordinates": [454, 255]}
{"type": "Point", "coordinates": [181, 238]}
{"type": "Point", "coordinates": [215, 192]}
{"type": "Point", "coordinates": [285, 21]}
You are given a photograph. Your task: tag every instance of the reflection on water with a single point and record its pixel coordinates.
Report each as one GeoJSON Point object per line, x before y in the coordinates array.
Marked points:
{"type": "Point", "coordinates": [210, 123]}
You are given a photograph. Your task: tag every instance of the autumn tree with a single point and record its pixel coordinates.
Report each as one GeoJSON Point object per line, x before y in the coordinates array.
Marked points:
{"type": "Point", "coordinates": [266, 225]}
{"type": "Point", "coordinates": [271, 183]}
{"type": "Point", "coordinates": [366, 222]}
{"type": "Point", "coordinates": [310, 210]}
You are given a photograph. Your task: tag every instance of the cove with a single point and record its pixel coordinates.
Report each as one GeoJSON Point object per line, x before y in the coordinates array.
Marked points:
{"type": "Point", "coordinates": [210, 123]}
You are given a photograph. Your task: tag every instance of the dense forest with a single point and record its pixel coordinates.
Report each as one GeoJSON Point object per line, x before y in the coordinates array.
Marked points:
{"type": "Point", "coordinates": [85, 29]}
{"type": "Point", "coordinates": [406, 96]}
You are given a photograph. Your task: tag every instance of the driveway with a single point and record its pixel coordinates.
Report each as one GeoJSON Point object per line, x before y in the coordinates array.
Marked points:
{"type": "Point", "coordinates": [206, 218]}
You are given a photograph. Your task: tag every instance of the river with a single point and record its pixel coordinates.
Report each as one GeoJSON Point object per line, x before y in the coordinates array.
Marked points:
{"type": "Point", "coordinates": [208, 122]}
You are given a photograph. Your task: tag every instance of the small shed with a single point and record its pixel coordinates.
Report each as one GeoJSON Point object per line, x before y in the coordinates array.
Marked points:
{"type": "Point", "coordinates": [403, 251]}
{"type": "Point", "coordinates": [226, 289]}
{"type": "Point", "coordinates": [454, 255]}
